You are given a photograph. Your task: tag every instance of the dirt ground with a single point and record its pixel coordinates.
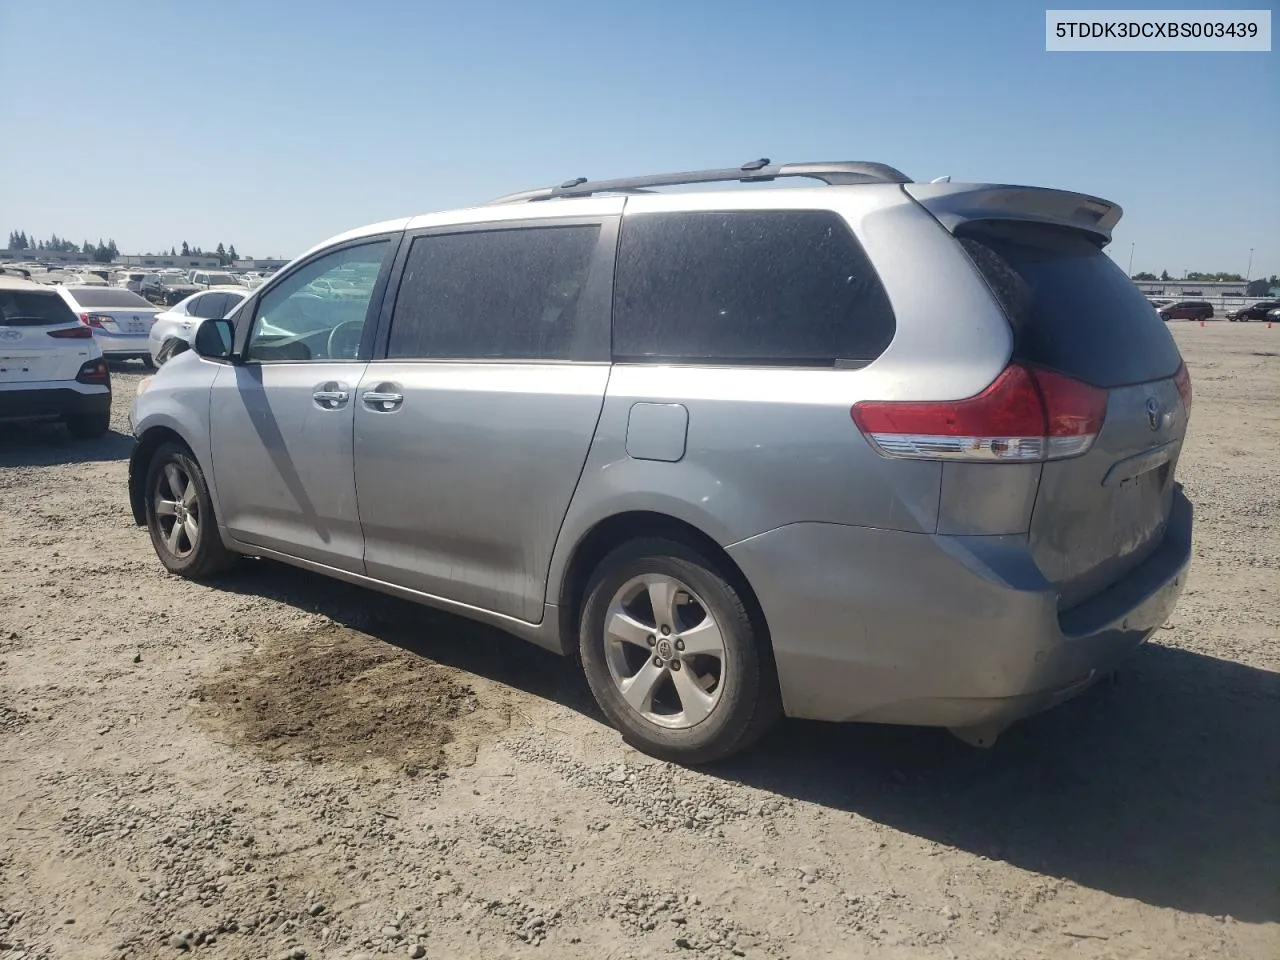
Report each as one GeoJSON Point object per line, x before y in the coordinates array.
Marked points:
{"type": "Point", "coordinates": [281, 766]}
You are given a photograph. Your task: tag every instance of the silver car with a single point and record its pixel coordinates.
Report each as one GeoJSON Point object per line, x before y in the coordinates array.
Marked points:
{"type": "Point", "coordinates": [867, 450]}
{"type": "Point", "coordinates": [118, 319]}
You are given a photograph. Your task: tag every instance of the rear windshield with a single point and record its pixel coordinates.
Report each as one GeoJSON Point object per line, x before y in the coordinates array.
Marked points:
{"type": "Point", "coordinates": [1072, 309]}
{"type": "Point", "coordinates": [30, 308]}
{"type": "Point", "coordinates": [104, 298]}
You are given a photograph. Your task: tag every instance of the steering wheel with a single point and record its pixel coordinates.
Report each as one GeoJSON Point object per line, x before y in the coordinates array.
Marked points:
{"type": "Point", "coordinates": [344, 340]}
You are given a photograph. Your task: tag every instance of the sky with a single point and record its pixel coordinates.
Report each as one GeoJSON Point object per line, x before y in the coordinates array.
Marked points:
{"type": "Point", "coordinates": [272, 126]}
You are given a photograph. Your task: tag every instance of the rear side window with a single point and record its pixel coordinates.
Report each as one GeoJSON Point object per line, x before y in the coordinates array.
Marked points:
{"type": "Point", "coordinates": [210, 305]}
{"type": "Point", "coordinates": [509, 294]}
{"type": "Point", "coordinates": [26, 308]}
{"type": "Point", "coordinates": [1072, 309]}
{"type": "Point", "coordinates": [105, 298]}
{"type": "Point", "coordinates": [789, 287]}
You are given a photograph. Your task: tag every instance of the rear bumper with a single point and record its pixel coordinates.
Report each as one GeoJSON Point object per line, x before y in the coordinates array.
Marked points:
{"type": "Point", "coordinates": [952, 631]}
{"type": "Point", "coordinates": [54, 400]}
{"type": "Point", "coordinates": [123, 346]}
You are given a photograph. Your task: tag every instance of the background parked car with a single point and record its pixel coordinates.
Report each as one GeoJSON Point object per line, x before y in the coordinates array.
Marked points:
{"type": "Point", "coordinates": [133, 282]}
{"type": "Point", "coordinates": [51, 368]}
{"type": "Point", "coordinates": [214, 278]}
{"type": "Point", "coordinates": [1257, 311]}
{"type": "Point", "coordinates": [118, 320]}
{"type": "Point", "coordinates": [180, 321]}
{"type": "Point", "coordinates": [1187, 310]}
{"type": "Point", "coordinates": [168, 289]}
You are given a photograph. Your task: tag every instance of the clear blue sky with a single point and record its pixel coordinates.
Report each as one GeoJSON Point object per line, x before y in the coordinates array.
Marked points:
{"type": "Point", "coordinates": [272, 125]}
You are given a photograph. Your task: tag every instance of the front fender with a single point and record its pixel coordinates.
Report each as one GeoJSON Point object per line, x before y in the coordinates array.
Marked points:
{"type": "Point", "coordinates": [174, 406]}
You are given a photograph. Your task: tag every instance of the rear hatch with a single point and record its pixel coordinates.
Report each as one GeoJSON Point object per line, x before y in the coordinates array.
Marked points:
{"type": "Point", "coordinates": [1073, 311]}
{"type": "Point", "coordinates": [30, 346]}
{"type": "Point", "coordinates": [115, 310]}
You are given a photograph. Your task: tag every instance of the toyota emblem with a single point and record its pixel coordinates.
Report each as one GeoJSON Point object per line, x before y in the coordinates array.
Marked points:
{"type": "Point", "coordinates": [1153, 413]}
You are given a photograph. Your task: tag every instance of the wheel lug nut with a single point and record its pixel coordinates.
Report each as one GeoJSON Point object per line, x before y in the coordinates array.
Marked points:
{"type": "Point", "coordinates": [665, 631]}
{"type": "Point", "coordinates": [651, 639]}
{"type": "Point", "coordinates": [657, 661]}
{"type": "Point", "coordinates": [679, 644]}
{"type": "Point", "coordinates": [675, 664]}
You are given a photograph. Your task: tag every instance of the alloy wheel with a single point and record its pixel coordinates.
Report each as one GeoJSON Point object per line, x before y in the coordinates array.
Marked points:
{"type": "Point", "coordinates": [665, 651]}
{"type": "Point", "coordinates": [177, 507]}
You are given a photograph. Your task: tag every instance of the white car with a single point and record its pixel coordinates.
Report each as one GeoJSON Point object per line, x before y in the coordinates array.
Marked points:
{"type": "Point", "coordinates": [214, 278]}
{"type": "Point", "coordinates": [180, 321]}
{"type": "Point", "coordinates": [51, 368]}
{"type": "Point", "coordinates": [132, 282]}
{"type": "Point", "coordinates": [118, 319]}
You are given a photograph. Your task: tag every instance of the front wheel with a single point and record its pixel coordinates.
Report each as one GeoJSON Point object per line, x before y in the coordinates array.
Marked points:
{"type": "Point", "coordinates": [673, 656]}
{"type": "Point", "coordinates": [180, 515]}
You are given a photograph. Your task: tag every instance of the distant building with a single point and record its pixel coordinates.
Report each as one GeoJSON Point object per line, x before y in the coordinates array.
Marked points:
{"type": "Point", "coordinates": [1191, 289]}
{"type": "Point", "coordinates": [164, 260]}
{"type": "Point", "coordinates": [261, 264]}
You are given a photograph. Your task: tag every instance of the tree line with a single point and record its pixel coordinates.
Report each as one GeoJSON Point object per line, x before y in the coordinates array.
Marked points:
{"type": "Point", "coordinates": [106, 252]}
{"type": "Point", "coordinates": [101, 252]}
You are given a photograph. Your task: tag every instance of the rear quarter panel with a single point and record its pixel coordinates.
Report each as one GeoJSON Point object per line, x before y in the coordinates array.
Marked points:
{"type": "Point", "coordinates": [770, 446]}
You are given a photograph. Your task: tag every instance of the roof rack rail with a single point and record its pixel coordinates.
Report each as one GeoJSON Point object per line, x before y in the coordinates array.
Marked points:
{"type": "Point", "coordinates": [833, 173]}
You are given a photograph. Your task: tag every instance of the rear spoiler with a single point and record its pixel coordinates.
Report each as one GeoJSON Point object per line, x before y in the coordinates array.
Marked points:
{"type": "Point", "coordinates": [954, 204]}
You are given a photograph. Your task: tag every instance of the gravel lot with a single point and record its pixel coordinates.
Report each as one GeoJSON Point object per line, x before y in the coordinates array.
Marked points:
{"type": "Point", "coordinates": [282, 766]}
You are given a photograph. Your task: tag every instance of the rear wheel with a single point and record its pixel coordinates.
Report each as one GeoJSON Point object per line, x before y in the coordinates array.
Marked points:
{"type": "Point", "coordinates": [89, 426]}
{"type": "Point", "coordinates": [673, 656]}
{"type": "Point", "coordinates": [180, 515]}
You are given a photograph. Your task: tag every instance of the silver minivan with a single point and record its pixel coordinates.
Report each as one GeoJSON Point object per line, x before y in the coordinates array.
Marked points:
{"type": "Point", "coordinates": [861, 450]}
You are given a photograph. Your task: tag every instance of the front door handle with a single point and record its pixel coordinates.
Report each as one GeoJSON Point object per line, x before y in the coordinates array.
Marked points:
{"type": "Point", "coordinates": [384, 401]}
{"type": "Point", "coordinates": [331, 397]}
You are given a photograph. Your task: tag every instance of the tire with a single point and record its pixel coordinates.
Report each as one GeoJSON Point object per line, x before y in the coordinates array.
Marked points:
{"type": "Point", "coordinates": [89, 426]}
{"type": "Point", "coordinates": [686, 706]}
{"type": "Point", "coordinates": [148, 363]}
{"type": "Point", "coordinates": [204, 553]}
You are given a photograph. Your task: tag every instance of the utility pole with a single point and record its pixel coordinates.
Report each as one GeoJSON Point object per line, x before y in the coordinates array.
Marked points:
{"type": "Point", "coordinates": [1131, 246]}
{"type": "Point", "coordinates": [1249, 269]}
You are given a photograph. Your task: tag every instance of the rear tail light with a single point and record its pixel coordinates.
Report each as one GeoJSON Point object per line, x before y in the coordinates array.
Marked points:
{"type": "Point", "coordinates": [1182, 380]}
{"type": "Point", "coordinates": [72, 333]}
{"type": "Point", "coordinates": [1025, 415]}
{"type": "Point", "coordinates": [94, 372]}
{"type": "Point", "coordinates": [93, 320]}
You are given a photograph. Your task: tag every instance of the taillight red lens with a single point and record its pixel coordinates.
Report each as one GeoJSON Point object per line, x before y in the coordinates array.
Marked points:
{"type": "Point", "coordinates": [92, 320]}
{"type": "Point", "coordinates": [72, 333]}
{"type": "Point", "coordinates": [1024, 415]}
{"type": "Point", "coordinates": [1182, 380]}
{"type": "Point", "coordinates": [94, 372]}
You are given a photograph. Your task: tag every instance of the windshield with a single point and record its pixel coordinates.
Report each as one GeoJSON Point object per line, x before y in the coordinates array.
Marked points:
{"type": "Point", "coordinates": [1072, 309]}
{"type": "Point", "coordinates": [105, 298]}
{"type": "Point", "coordinates": [31, 308]}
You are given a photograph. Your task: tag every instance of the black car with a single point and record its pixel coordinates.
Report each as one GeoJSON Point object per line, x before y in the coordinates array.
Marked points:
{"type": "Point", "coordinates": [1187, 310]}
{"type": "Point", "coordinates": [1258, 311]}
{"type": "Point", "coordinates": [168, 289]}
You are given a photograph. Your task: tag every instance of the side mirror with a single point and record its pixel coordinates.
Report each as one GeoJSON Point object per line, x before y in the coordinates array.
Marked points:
{"type": "Point", "coordinates": [214, 339]}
